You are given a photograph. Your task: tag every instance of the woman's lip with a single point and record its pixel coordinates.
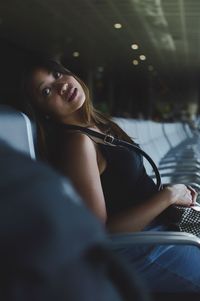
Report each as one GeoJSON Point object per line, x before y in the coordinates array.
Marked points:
{"type": "Point", "coordinates": [72, 94]}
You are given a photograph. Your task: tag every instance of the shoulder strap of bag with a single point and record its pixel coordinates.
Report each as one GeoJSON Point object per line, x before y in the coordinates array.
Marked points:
{"type": "Point", "coordinates": [108, 139]}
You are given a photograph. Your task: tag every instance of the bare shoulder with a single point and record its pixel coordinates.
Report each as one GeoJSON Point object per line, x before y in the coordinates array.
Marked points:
{"type": "Point", "coordinates": [79, 142]}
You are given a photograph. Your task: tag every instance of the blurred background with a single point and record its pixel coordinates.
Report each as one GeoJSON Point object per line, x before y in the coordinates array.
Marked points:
{"type": "Point", "coordinates": [140, 58]}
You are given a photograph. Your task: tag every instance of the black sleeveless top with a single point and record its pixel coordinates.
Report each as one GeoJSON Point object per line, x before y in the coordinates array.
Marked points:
{"type": "Point", "coordinates": [125, 182]}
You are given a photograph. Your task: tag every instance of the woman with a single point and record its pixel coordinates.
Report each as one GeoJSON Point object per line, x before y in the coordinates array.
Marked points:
{"type": "Point", "coordinates": [111, 180]}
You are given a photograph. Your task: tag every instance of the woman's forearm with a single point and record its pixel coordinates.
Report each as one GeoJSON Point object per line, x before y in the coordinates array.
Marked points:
{"type": "Point", "coordinates": [136, 218]}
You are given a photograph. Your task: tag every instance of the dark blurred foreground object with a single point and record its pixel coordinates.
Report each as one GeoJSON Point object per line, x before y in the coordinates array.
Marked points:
{"type": "Point", "coordinates": [51, 246]}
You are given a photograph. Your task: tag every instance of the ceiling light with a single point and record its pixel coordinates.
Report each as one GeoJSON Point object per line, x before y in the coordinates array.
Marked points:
{"type": "Point", "coordinates": [134, 46]}
{"type": "Point", "coordinates": [142, 57]}
{"type": "Point", "coordinates": [135, 62]}
{"type": "Point", "coordinates": [100, 68]}
{"type": "Point", "coordinates": [76, 54]}
{"type": "Point", "coordinates": [118, 25]}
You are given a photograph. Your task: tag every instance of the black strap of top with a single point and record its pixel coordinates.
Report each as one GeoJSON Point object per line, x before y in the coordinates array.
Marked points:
{"type": "Point", "coordinates": [108, 139]}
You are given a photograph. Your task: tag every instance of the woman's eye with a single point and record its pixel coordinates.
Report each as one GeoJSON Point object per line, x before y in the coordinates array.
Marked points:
{"type": "Point", "coordinates": [57, 74]}
{"type": "Point", "coordinates": [46, 91]}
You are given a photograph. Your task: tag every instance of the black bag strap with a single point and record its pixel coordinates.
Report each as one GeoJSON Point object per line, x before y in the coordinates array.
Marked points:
{"type": "Point", "coordinates": [108, 139]}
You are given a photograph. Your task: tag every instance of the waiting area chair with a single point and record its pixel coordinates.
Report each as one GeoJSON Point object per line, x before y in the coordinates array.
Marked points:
{"type": "Point", "coordinates": [16, 130]}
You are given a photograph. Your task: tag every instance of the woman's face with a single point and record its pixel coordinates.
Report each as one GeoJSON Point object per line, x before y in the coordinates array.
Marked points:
{"type": "Point", "coordinates": [56, 94]}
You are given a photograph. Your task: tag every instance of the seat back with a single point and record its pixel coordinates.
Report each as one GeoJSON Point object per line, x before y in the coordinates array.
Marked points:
{"type": "Point", "coordinates": [16, 130]}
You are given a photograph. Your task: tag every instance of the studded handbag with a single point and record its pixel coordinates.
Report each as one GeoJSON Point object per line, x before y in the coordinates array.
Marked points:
{"type": "Point", "coordinates": [184, 219]}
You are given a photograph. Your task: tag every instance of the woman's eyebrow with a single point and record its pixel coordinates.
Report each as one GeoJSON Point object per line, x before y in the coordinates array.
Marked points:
{"type": "Point", "coordinates": [38, 87]}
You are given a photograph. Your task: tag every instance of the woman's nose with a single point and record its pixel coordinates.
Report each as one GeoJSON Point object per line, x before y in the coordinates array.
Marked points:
{"type": "Point", "coordinates": [62, 88]}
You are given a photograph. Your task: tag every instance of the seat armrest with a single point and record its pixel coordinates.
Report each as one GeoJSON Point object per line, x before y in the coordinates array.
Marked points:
{"type": "Point", "coordinates": [153, 237]}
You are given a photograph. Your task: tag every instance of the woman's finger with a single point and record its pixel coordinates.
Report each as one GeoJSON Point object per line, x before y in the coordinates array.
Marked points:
{"type": "Point", "coordinates": [193, 193]}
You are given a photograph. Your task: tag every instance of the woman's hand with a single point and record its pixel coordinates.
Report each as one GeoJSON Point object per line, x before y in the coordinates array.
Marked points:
{"type": "Point", "coordinates": [194, 194]}
{"type": "Point", "coordinates": [181, 194]}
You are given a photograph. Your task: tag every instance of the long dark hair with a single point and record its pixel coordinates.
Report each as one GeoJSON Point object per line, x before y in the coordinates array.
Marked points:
{"type": "Point", "coordinates": [91, 116]}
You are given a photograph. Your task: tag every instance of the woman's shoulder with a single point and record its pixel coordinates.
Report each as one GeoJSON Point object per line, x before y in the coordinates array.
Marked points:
{"type": "Point", "coordinates": [77, 141]}
{"type": "Point", "coordinates": [81, 135]}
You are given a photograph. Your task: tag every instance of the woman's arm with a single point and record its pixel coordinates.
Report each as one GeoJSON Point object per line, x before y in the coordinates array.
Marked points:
{"type": "Point", "coordinates": [140, 216]}
{"type": "Point", "coordinates": [78, 161]}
